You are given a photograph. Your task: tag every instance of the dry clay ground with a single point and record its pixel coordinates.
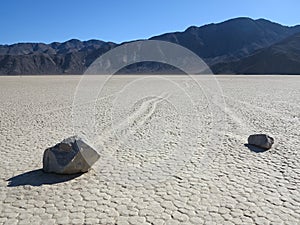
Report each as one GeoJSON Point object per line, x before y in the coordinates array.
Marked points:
{"type": "Point", "coordinates": [172, 151]}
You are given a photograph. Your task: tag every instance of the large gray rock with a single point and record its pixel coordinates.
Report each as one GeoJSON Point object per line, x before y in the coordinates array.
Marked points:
{"type": "Point", "coordinates": [261, 140]}
{"type": "Point", "coordinates": [70, 156]}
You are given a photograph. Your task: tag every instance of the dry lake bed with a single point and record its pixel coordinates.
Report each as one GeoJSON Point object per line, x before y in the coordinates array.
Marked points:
{"type": "Point", "coordinates": [172, 149]}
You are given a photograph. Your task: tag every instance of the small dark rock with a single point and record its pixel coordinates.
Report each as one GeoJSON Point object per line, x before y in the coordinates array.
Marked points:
{"type": "Point", "coordinates": [261, 140]}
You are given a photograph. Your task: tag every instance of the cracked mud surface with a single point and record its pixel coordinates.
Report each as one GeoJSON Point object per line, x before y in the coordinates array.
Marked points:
{"type": "Point", "coordinates": [157, 165]}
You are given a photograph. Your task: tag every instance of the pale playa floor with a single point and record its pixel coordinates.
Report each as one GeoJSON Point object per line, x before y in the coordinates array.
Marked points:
{"type": "Point", "coordinates": [157, 165]}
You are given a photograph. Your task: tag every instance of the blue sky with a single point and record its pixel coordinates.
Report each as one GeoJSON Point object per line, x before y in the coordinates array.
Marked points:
{"type": "Point", "coordinates": [59, 20]}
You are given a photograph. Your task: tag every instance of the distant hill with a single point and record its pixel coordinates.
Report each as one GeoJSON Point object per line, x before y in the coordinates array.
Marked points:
{"type": "Point", "coordinates": [70, 57]}
{"type": "Point", "coordinates": [240, 45]}
{"type": "Point", "coordinates": [230, 40]}
{"type": "Point", "coordinates": [280, 58]}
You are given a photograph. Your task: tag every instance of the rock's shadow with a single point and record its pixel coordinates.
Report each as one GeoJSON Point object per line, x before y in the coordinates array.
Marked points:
{"type": "Point", "coordinates": [38, 178]}
{"type": "Point", "coordinates": [255, 149]}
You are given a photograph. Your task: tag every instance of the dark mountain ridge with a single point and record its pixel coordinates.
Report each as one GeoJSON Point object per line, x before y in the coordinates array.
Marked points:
{"type": "Point", "coordinates": [230, 40]}
{"type": "Point", "coordinates": [52, 48]}
{"type": "Point", "coordinates": [71, 57]}
{"type": "Point", "coordinates": [280, 58]}
{"type": "Point", "coordinates": [223, 46]}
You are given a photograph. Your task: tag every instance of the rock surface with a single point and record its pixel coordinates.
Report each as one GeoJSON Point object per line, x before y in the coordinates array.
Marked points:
{"type": "Point", "coordinates": [70, 156]}
{"type": "Point", "coordinates": [261, 140]}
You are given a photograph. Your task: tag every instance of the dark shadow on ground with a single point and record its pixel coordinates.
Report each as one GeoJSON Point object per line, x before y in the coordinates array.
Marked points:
{"type": "Point", "coordinates": [38, 178]}
{"type": "Point", "coordinates": [255, 149]}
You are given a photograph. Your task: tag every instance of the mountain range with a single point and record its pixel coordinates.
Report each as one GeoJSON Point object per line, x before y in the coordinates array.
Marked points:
{"type": "Point", "coordinates": [236, 46]}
